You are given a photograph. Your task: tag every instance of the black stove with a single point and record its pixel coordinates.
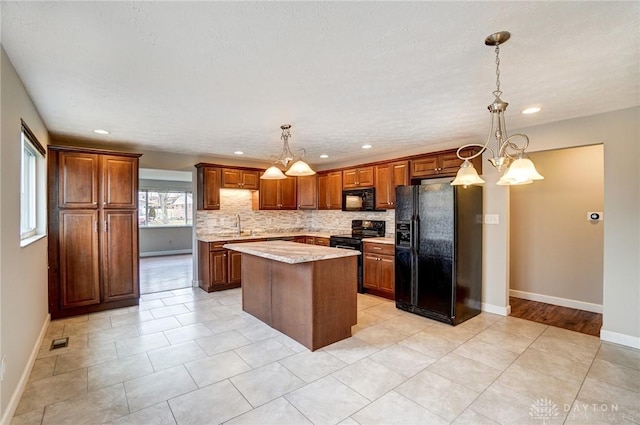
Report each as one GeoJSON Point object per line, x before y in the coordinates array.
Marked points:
{"type": "Point", "coordinates": [360, 229]}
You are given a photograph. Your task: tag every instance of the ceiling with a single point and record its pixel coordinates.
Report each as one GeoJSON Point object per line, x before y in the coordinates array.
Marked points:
{"type": "Point", "coordinates": [211, 78]}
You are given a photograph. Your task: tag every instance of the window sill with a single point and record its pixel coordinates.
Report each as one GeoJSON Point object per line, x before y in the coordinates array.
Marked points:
{"type": "Point", "coordinates": [28, 241]}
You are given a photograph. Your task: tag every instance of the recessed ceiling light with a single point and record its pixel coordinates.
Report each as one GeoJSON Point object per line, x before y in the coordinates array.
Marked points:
{"type": "Point", "coordinates": [324, 155]}
{"type": "Point", "coordinates": [239, 153]}
{"type": "Point", "coordinates": [99, 131]}
{"type": "Point", "coordinates": [366, 146]}
{"type": "Point", "coordinates": [532, 110]}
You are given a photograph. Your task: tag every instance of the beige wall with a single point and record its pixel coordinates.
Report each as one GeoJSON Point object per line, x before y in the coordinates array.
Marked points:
{"type": "Point", "coordinates": [23, 271]}
{"type": "Point", "coordinates": [619, 132]}
{"type": "Point", "coordinates": [554, 250]}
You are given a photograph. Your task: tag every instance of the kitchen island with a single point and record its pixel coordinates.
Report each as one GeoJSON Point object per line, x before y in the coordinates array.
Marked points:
{"type": "Point", "coordinates": [307, 292]}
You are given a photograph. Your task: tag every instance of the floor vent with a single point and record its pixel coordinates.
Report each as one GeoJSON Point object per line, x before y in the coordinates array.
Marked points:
{"type": "Point", "coordinates": [59, 343]}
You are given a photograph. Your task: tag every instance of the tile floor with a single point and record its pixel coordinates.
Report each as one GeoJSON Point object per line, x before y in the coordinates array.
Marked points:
{"type": "Point", "coordinates": [165, 273]}
{"type": "Point", "coordinates": [189, 357]}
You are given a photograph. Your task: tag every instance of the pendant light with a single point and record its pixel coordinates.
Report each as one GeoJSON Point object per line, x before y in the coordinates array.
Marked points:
{"type": "Point", "coordinates": [521, 170]}
{"type": "Point", "coordinates": [298, 168]}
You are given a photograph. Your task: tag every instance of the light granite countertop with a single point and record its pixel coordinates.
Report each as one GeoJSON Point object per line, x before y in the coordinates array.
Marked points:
{"type": "Point", "coordinates": [290, 252]}
{"type": "Point", "coordinates": [243, 237]}
{"type": "Point", "coordinates": [388, 241]}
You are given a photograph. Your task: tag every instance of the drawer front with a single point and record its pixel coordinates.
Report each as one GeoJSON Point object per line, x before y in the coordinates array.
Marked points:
{"type": "Point", "coordinates": [216, 246]}
{"type": "Point", "coordinates": [379, 248]}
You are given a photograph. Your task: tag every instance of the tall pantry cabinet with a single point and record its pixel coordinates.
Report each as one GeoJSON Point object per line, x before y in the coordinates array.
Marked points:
{"type": "Point", "coordinates": [93, 230]}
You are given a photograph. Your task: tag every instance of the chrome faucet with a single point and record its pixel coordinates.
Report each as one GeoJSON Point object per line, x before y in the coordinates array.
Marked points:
{"type": "Point", "coordinates": [238, 227]}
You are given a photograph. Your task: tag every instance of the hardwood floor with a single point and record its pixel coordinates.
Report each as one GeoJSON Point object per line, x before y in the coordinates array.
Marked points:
{"type": "Point", "coordinates": [165, 273]}
{"type": "Point", "coordinates": [554, 315]}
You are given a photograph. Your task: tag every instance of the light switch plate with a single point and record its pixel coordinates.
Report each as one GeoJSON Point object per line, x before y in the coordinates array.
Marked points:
{"type": "Point", "coordinates": [491, 219]}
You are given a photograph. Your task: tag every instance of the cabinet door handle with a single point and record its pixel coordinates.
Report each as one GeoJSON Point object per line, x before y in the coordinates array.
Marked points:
{"type": "Point", "coordinates": [96, 223]}
{"type": "Point", "coordinates": [377, 247]}
{"type": "Point", "coordinates": [106, 226]}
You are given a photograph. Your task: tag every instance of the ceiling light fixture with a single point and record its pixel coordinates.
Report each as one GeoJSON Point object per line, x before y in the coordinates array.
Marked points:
{"type": "Point", "coordinates": [521, 170]}
{"type": "Point", "coordinates": [324, 155]}
{"type": "Point", "coordinates": [298, 168]}
{"type": "Point", "coordinates": [239, 153]}
{"type": "Point", "coordinates": [366, 146]}
{"type": "Point", "coordinates": [532, 110]}
{"type": "Point", "coordinates": [99, 131]}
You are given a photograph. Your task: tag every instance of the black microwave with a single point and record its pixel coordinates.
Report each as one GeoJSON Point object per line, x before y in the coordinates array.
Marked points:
{"type": "Point", "coordinates": [359, 199]}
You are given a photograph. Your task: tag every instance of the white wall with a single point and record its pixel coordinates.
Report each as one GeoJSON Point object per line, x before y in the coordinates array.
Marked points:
{"type": "Point", "coordinates": [165, 240]}
{"type": "Point", "coordinates": [23, 271]}
{"type": "Point", "coordinates": [556, 253]}
{"type": "Point", "coordinates": [619, 131]}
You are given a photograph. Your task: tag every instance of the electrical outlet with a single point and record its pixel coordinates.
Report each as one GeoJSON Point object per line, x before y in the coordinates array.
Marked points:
{"type": "Point", "coordinates": [2, 367]}
{"type": "Point", "coordinates": [491, 219]}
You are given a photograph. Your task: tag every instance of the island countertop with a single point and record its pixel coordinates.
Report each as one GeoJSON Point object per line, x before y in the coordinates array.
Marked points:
{"type": "Point", "coordinates": [290, 252]}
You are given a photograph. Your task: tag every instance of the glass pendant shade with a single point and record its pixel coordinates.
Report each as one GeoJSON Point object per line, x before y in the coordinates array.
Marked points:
{"type": "Point", "coordinates": [273, 173]}
{"type": "Point", "coordinates": [521, 171]}
{"type": "Point", "coordinates": [467, 175]}
{"type": "Point", "coordinates": [299, 168]}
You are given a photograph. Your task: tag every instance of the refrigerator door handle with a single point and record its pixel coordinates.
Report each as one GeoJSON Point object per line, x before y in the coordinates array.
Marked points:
{"type": "Point", "coordinates": [415, 235]}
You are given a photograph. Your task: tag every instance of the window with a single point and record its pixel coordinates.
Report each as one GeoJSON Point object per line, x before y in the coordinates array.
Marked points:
{"type": "Point", "coordinates": [164, 208]}
{"type": "Point", "coordinates": [31, 200]}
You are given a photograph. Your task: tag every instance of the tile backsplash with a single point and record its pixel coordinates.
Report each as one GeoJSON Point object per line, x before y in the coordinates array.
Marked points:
{"type": "Point", "coordinates": [237, 202]}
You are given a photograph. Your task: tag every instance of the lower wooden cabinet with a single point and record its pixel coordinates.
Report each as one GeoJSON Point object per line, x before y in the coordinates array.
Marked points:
{"type": "Point", "coordinates": [219, 268]}
{"type": "Point", "coordinates": [379, 269]}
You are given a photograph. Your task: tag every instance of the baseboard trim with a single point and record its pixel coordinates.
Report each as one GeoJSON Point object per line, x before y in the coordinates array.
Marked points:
{"type": "Point", "coordinates": [620, 339]}
{"type": "Point", "coordinates": [495, 309]}
{"type": "Point", "coordinates": [22, 383]}
{"type": "Point", "coordinates": [162, 253]}
{"type": "Point", "coordinates": [563, 302]}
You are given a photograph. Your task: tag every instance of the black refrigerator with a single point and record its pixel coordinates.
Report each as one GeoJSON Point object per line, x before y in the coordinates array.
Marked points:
{"type": "Point", "coordinates": [438, 256]}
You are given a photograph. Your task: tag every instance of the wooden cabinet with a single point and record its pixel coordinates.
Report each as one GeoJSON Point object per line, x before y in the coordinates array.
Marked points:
{"type": "Point", "coordinates": [318, 240]}
{"type": "Point", "coordinates": [234, 178]}
{"type": "Point", "coordinates": [308, 192]}
{"type": "Point", "coordinates": [357, 177]}
{"type": "Point", "coordinates": [379, 269]}
{"type": "Point", "coordinates": [278, 194]}
{"type": "Point", "coordinates": [330, 191]}
{"type": "Point", "coordinates": [209, 180]}
{"type": "Point", "coordinates": [387, 177]}
{"type": "Point", "coordinates": [213, 267]}
{"type": "Point", "coordinates": [93, 230]}
{"type": "Point", "coordinates": [313, 240]}
{"type": "Point", "coordinates": [442, 164]}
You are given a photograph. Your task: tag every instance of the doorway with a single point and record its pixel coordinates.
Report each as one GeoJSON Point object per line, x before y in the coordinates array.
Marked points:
{"type": "Point", "coordinates": [556, 251]}
{"type": "Point", "coordinates": [165, 219]}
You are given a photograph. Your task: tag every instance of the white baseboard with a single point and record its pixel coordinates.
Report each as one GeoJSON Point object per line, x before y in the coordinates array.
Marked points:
{"type": "Point", "coordinates": [22, 383]}
{"type": "Point", "coordinates": [620, 339]}
{"type": "Point", "coordinates": [495, 309]}
{"type": "Point", "coordinates": [161, 253]}
{"type": "Point", "coordinates": [563, 302]}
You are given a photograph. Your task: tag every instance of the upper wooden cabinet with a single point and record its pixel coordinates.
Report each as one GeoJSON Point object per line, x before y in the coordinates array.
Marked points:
{"type": "Point", "coordinates": [442, 164]}
{"type": "Point", "coordinates": [357, 177]}
{"type": "Point", "coordinates": [208, 187]}
{"type": "Point", "coordinates": [308, 192]}
{"type": "Point", "coordinates": [387, 178]}
{"type": "Point", "coordinates": [89, 180]}
{"type": "Point", "coordinates": [278, 194]}
{"type": "Point", "coordinates": [118, 176]}
{"type": "Point", "coordinates": [233, 178]}
{"type": "Point", "coordinates": [330, 191]}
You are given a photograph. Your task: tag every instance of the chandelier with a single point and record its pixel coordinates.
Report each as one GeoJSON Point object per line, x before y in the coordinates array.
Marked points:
{"type": "Point", "coordinates": [508, 155]}
{"type": "Point", "coordinates": [298, 167]}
